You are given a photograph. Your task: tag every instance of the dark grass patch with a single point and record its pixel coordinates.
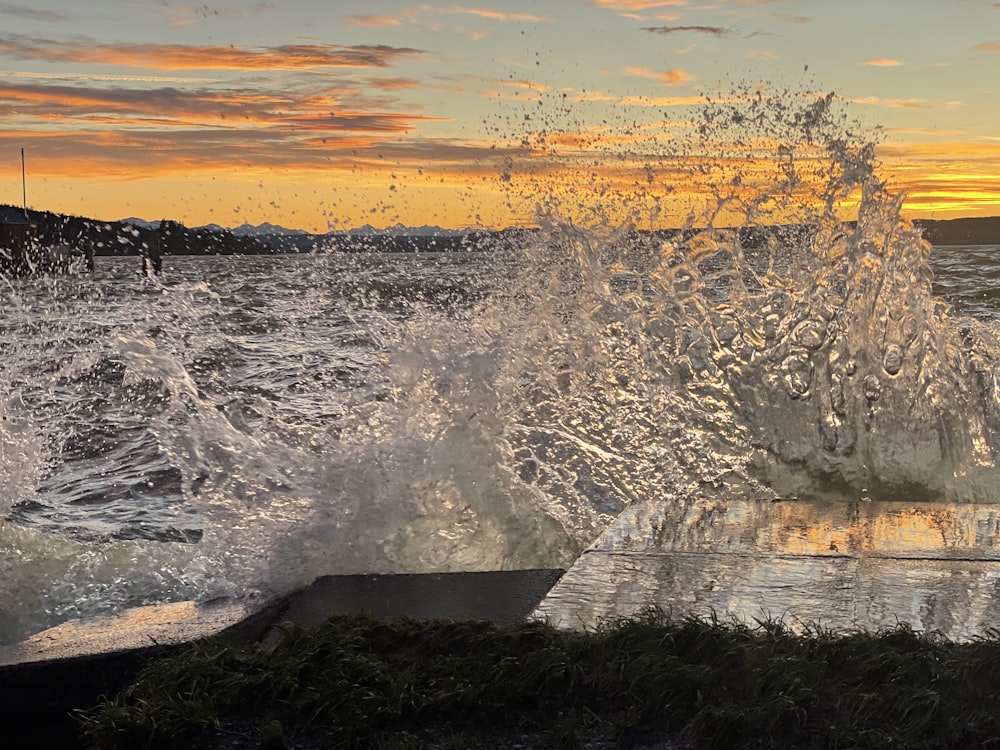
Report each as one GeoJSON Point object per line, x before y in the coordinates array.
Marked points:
{"type": "Point", "coordinates": [358, 681]}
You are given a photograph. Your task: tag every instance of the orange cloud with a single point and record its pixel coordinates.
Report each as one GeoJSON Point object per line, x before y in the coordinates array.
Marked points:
{"type": "Point", "coordinates": [180, 57]}
{"type": "Point", "coordinates": [589, 95]}
{"type": "Point", "coordinates": [907, 103]}
{"type": "Point", "coordinates": [925, 131]}
{"type": "Point", "coordinates": [988, 47]}
{"type": "Point", "coordinates": [499, 15]}
{"type": "Point", "coordinates": [635, 5]}
{"type": "Point", "coordinates": [364, 19]}
{"type": "Point", "coordinates": [672, 77]}
{"type": "Point", "coordinates": [661, 101]}
{"type": "Point", "coordinates": [523, 84]}
{"type": "Point", "coordinates": [792, 19]}
{"type": "Point", "coordinates": [203, 130]}
{"type": "Point", "coordinates": [882, 62]}
{"type": "Point", "coordinates": [952, 176]}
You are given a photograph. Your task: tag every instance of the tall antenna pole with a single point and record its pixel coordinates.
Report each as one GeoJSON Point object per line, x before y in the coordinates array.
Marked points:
{"type": "Point", "coordinates": [24, 187]}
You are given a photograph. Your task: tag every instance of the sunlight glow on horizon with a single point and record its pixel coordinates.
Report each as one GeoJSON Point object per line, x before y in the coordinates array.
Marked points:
{"type": "Point", "coordinates": [320, 118]}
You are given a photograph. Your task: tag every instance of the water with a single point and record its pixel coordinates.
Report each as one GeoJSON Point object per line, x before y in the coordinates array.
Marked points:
{"type": "Point", "coordinates": [233, 429]}
{"type": "Point", "coordinates": [247, 424]}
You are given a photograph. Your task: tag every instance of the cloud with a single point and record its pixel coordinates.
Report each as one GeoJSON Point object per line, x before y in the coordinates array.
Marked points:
{"type": "Point", "coordinates": [589, 95]}
{"type": "Point", "coordinates": [35, 14]}
{"type": "Point", "coordinates": [937, 132]}
{"type": "Point", "coordinates": [181, 57]}
{"type": "Point", "coordinates": [636, 5]}
{"type": "Point", "coordinates": [792, 19]}
{"type": "Point", "coordinates": [523, 84]}
{"type": "Point", "coordinates": [762, 54]}
{"type": "Point", "coordinates": [946, 176]}
{"type": "Point", "coordinates": [364, 19]}
{"type": "Point", "coordinates": [529, 87]}
{"type": "Point", "coordinates": [907, 103]}
{"type": "Point", "coordinates": [662, 101]}
{"type": "Point", "coordinates": [716, 31]}
{"type": "Point", "coordinates": [988, 47]}
{"type": "Point", "coordinates": [68, 77]}
{"type": "Point", "coordinates": [495, 15]}
{"type": "Point", "coordinates": [396, 83]}
{"type": "Point", "coordinates": [672, 77]}
{"type": "Point", "coordinates": [132, 133]}
{"type": "Point", "coordinates": [335, 110]}
{"type": "Point", "coordinates": [882, 62]}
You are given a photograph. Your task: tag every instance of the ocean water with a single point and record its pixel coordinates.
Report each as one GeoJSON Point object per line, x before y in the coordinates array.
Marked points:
{"type": "Point", "coordinates": [244, 425]}
{"type": "Point", "coordinates": [232, 428]}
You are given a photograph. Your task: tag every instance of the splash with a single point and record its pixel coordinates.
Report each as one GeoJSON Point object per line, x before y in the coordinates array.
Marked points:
{"type": "Point", "coordinates": [498, 409]}
{"type": "Point", "coordinates": [783, 342]}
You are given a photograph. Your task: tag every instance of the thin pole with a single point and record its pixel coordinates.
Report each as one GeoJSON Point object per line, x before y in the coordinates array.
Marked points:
{"type": "Point", "coordinates": [24, 186]}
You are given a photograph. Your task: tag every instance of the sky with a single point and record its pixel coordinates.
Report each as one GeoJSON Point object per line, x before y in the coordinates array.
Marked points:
{"type": "Point", "coordinates": [333, 114]}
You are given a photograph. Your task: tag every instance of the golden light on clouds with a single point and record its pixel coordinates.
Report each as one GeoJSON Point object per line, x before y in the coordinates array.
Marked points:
{"type": "Point", "coordinates": [638, 5]}
{"type": "Point", "coordinates": [907, 103]}
{"type": "Point", "coordinates": [183, 57]}
{"type": "Point", "coordinates": [573, 96]}
{"type": "Point", "coordinates": [953, 177]}
{"type": "Point", "coordinates": [672, 77]}
{"type": "Point", "coordinates": [501, 15]}
{"type": "Point", "coordinates": [374, 21]}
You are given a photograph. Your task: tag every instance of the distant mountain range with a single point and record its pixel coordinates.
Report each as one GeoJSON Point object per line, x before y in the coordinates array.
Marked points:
{"type": "Point", "coordinates": [399, 230]}
{"type": "Point", "coordinates": [968, 231]}
{"type": "Point", "coordinates": [132, 235]}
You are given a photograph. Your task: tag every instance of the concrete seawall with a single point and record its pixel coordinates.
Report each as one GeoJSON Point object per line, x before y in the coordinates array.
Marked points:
{"type": "Point", "coordinates": [71, 666]}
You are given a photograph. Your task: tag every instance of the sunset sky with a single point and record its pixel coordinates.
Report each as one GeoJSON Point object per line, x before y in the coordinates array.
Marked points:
{"type": "Point", "coordinates": [323, 115]}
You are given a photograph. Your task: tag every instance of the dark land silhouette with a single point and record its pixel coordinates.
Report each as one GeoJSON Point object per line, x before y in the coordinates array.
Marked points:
{"type": "Point", "coordinates": [122, 238]}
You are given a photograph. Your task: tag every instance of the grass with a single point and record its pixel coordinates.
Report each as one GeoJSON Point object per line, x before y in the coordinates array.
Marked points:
{"type": "Point", "coordinates": [358, 681]}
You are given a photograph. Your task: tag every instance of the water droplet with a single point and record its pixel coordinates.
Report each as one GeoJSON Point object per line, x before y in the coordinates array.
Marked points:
{"type": "Point", "coordinates": [798, 374]}
{"type": "Point", "coordinates": [872, 388]}
{"type": "Point", "coordinates": [892, 362]}
{"type": "Point", "coordinates": [808, 335]}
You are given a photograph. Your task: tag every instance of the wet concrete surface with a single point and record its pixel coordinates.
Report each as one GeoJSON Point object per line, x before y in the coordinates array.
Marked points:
{"type": "Point", "coordinates": [71, 666]}
{"type": "Point", "coordinates": [842, 565]}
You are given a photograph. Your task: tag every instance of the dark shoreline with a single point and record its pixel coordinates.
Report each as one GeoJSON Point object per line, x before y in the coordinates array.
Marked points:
{"type": "Point", "coordinates": [122, 238]}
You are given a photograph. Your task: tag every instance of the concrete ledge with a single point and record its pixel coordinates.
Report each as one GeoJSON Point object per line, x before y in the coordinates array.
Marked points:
{"type": "Point", "coordinates": [136, 630]}
{"type": "Point", "coordinates": [844, 565]}
{"type": "Point", "coordinates": [503, 597]}
{"type": "Point", "coordinates": [70, 666]}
